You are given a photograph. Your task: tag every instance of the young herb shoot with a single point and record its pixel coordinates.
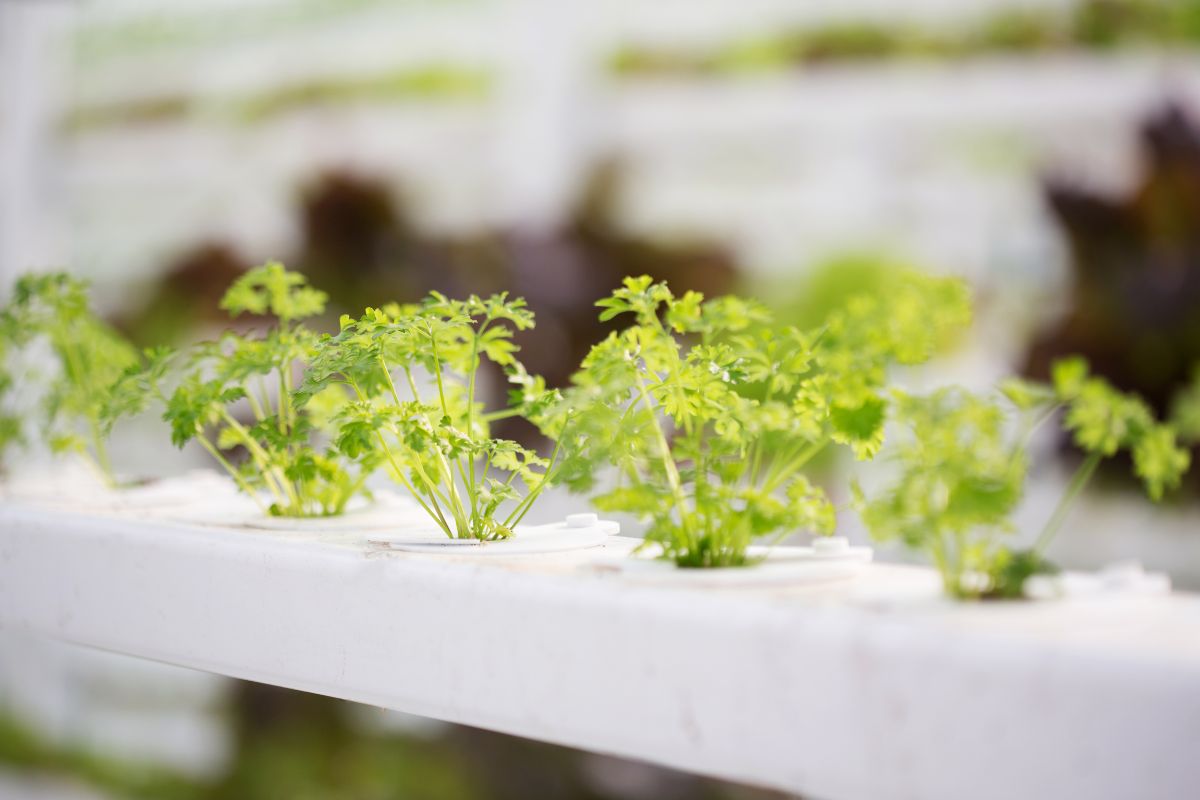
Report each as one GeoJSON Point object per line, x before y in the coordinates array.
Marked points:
{"type": "Point", "coordinates": [964, 463]}
{"type": "Point", "coordinates": [215, 381]}
{"type": "Point", "coordinates": [710, 413]}
{"type": "Point", "coordinates": [52, 311]}
{"type": "Point", "coordinates": [436, 441]}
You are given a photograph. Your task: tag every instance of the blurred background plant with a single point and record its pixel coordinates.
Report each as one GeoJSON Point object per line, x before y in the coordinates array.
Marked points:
{"type": "Point", "coordinates": [1134, 306]}
{"type": "Point", "coordinates": [61, 358]}
{"type": "Point", "coordinates": [1031, 28]}
{"type": "Point", "coordinates": [796, 152]}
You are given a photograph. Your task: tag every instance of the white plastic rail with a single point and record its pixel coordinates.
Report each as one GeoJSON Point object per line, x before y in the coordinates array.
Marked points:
{"type": "Point", "coordinates": [867, 688]}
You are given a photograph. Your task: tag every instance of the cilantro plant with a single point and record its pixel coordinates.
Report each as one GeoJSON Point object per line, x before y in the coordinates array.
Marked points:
{"type": "Point", "coordinates": [49, 315]}
{"type": "Point", "coordinates": [963, 466]}
{"type": "Point", "coordinates": [215, 382]}
{"type": "Point", "coordinates": [436, 441]}
{"type": "Point", "coordinates": [710, 412]}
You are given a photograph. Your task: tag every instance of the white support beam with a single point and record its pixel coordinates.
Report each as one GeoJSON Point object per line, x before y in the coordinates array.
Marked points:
{"type": "Point", "coordinates": [872, 688]}
{"type": "Point", "coordinates": [31, 82]}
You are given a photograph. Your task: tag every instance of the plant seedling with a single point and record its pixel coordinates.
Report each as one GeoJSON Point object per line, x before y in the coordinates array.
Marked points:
{"type": "Point", "coordinates": [710, 413]}
{"type": "Point", "coordinates": [437, 443]}
{"type": "Point", "coordinates": [963, 466]}
{"type": "Point", "coordinates": [284, 459]}
{"type": "Point", "coordinates": [52, 310]}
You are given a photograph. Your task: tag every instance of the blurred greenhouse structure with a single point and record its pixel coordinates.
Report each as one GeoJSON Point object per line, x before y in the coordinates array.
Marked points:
{"type": "Point", "coordinates": [1047, 151]}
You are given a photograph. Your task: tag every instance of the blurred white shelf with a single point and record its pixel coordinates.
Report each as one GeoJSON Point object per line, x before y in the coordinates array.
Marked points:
{"type": "Point", "coordinates": [934, 159]}
{"type": "Point", "coordinates": [1030, 94]}
{"type": "Point", "coordinates": [700, 22]}
{"type": "Point", "coordinates": [869, 688]}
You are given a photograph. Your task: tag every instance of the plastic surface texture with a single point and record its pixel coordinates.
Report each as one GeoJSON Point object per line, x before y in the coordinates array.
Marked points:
{"type": "Point", "coordinates": [577, 532]}
{"type": "Point", "coordinates": [828, 559]}
{"type": "Point", "coordinates": [869, 688]}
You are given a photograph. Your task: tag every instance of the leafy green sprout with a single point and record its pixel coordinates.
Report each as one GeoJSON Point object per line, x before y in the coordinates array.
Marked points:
{"type": "Point", "coordinates": [961, 477]}
{"type": "Point", "coordinates": [710, 412]}
{"type": "Point", "coordinates": [437, 442]}
{"type": "Point", "coordinates": [963, 466]}
{"type": "Point", "coordinates": [213, 380]}
{"type": "Point", "coordinates": [87, 356]}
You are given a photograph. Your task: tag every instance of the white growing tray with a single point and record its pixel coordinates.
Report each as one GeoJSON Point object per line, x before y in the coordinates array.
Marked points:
{"type": "Point", "coordinates": [576, 532]}
{"type": "Point", "coordinates": [827, 559]}
{"type": "Point", "coordinates": [868, 688]}
{"type": "Point", "coordinates": [386, 510]}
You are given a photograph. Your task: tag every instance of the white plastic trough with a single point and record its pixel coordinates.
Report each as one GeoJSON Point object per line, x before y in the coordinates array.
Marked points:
{"type": "Point", "coordinates": [867, 688]}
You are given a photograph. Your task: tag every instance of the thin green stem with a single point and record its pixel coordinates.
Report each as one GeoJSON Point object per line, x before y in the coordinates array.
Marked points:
{"type": "Point", "coordinates": [450, 498]}
{"type": "Point", "coordinates": [754, 457]}
{"type": "Point", "coordinates": [519, 513]}
{"type": "Point", "coordinates": [454, 502]}
{"type": "Point", "coordinates": [388, 375]}
{"type": "Point", "coordinates": [457, 507]}
{"type": "Point", "coordinates": [351, 490]}
{"type": "Point", "coordinates": [412, 384]}
{"type": "Point", "coordinates": [483, 476]}
{"type": "Point", "coordinates": [1037, 423]}
{"type": "Point", "coordinates": [465, 466]}
{"type": "Point", "coordinates": [473, 368]}
{"type": "Point", "coordinates": [233, 473]}
{"type": "Point", "coordinates": [289, 411]}
{"type": "Point", "coordinates": [286, 421]}
{"type": "Point", "coordinates": [1077, 484]}
{"type": "Point", "coordinates": [757, 447]}
{"type": "Point", "coordinates": [700, 463]}
{"type": "Point", "coordinates": [95, 466]}
{"type": "Point", "coordinates": [777, 476]}
{"type": "Point", "coordinates": [435, 512]}
{"type": "Point", "coordinates": [668, 461]}
{"type": "Point", "coordinates": [100, 452]}
{"type": "Point", "coordinates": [255, 405]}
{"type": "Point", "coordinates": [271, 472]}
{"type": "Point", "coordinates": [777, 463]}
{"type": "Point", "coordinates": [100, 448]}
{"type": "Point", "coordinates": [950, 576]}
{"type": "Point", "coordinates": [437, 373]}
{"type": "Point", "coordinates": [507, 413]}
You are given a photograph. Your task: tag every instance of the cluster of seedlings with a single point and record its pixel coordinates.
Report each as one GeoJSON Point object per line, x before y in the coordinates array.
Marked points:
{"type": "Point", "coordinates": [701, 417]}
